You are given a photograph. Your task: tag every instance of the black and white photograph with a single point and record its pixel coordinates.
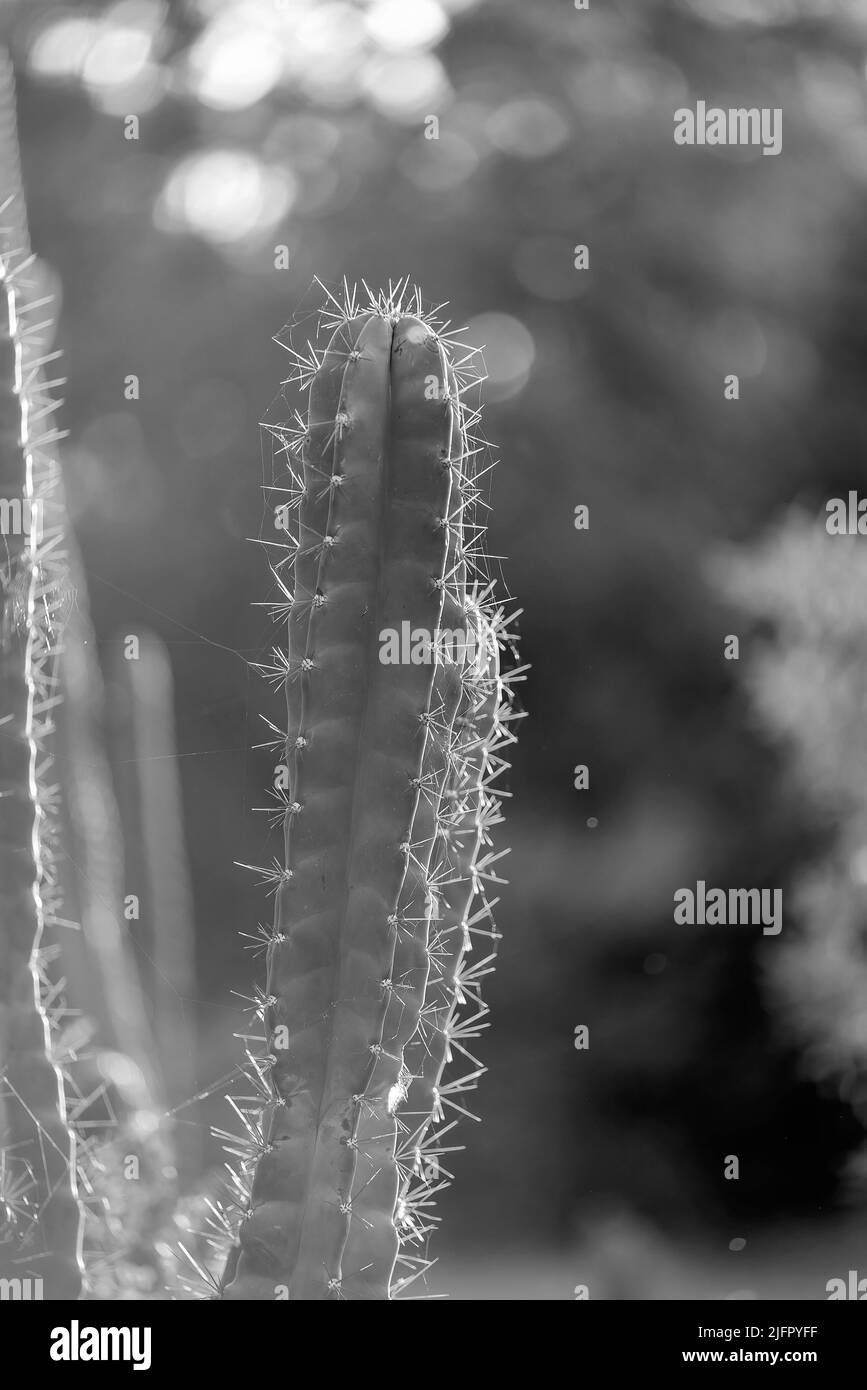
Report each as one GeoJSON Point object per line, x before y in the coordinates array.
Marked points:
{"type": "Point", "coordinates": [433, 669]}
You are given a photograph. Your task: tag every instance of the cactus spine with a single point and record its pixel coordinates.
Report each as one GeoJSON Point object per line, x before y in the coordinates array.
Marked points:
{"type": "Point", "coordinates": [386, 816]}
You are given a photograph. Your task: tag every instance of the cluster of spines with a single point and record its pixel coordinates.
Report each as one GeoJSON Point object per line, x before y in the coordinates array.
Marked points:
{"type": "Point", "coordinates": [463, 870]}
{"type": "Point", "coordinates": [466, 732]}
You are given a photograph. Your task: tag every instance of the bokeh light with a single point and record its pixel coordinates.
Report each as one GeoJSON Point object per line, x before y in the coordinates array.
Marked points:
{"type": "Point", "coordinates": [117, 56]}
{"type": "Point", "coordinates": [406, 88]}
{"type": "Point", "coordinates": [225, 195]}
{"type": "Point", "coordinates": [234, 64]}
{"type": "Point", "coordinates": [509, 352]}
{"type": "Point", "coordinates": [400, 25]}
{"type": "Point", "coordinates": [60, 46]}
{"type": "Point", "coordinates": [529, 127]}
{"type": "Point", "coordinates": [447, 163]}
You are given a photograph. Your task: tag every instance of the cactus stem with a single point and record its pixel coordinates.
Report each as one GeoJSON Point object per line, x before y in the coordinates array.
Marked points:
{"type": "Point", "coordinates": [375, 890]}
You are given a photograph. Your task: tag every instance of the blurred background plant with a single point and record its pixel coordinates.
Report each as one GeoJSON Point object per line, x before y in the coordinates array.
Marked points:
{"type": "Point", "coordinates": [806, 591]}
{"type": "Point", "coordinates": [304, 124]}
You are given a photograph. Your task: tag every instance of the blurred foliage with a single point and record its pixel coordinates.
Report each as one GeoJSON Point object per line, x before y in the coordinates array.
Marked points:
{"type": "Point", "coordinates": [809, 679]}
{"type": "Point", "coordinates": [303, 124]}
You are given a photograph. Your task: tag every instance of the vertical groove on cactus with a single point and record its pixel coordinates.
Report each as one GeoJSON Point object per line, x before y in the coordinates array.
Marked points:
{"type": "Point", "coordinates": [385, 813]}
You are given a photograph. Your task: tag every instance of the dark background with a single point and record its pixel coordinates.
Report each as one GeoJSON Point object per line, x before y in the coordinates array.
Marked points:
{"type": "Point", "coordinates": [303, 124]}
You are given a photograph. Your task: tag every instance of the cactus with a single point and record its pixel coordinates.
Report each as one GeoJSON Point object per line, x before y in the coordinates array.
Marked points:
{"type": "Point", "coordinates": [386, 814]}
{"type": "Point", "coordinates": [40, 1217]}
{"type": "Point", "coordinates": [55, 1107]}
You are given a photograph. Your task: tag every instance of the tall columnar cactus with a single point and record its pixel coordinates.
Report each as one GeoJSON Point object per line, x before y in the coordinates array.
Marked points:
{"type": "Point", "coordinates": [40, 1217]}
{"type": "Point", "coordinates": [397, 712]}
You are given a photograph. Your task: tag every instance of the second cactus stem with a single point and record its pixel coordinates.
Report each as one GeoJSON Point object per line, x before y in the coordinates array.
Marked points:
{"type": "Point", "coordinates": [398, 713]}
{"type": "Point", "coordinates": [41, 1221]}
